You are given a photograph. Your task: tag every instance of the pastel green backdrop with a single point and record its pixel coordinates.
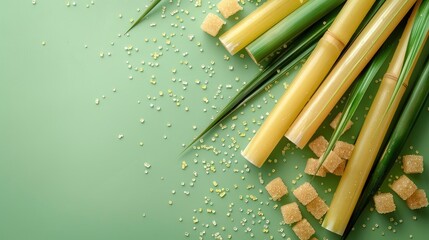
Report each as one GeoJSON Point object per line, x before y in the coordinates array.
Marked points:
{"type": "Point", "coordinates": [74, 169]}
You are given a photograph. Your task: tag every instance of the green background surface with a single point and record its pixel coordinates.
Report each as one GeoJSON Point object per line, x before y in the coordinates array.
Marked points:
{"type": "Point", "coordinates": [72, 169]}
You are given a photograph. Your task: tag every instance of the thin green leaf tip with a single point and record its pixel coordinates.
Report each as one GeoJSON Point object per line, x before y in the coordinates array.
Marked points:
{"type": "Point", "coordinates": [249, 91]}
{"type": "Point", "coordinates": [146, 12]}
{"type": "Point", "coordinates": [418, 38]}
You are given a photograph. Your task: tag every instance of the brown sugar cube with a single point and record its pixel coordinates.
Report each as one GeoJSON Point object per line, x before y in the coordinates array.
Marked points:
{"type": "Point", "coordinates": [276, 188]}
{"type": "Point", "coordinates": [311, 168]}
{"type": "Point", "coordinates": [305, 193]}
{"type": "Point", "coordinates": [417, 200]}
{"type": "Point", "coordinates": [317, 208]}
{"type": "Point", "coordinates": [212, 24]}
{"type": "Point", "coordinates": [384, 203]}
{"type": "Point", "coordinates": [344, 150]}
{"type": "Point", "coordinates": [303, 229]}
{"type": "Point", "coordinates": [339, 171]}
{"type": "Point", "coordinates": [412, 164]}
{"type": "Point", "coordinates": [332, 161]}
{"type": "Point", "coordinates": [228, 7]}
{"type": "Point", "coordinates": [336, 120]}
{"type": "Point", "coordinates": [404, 187]}
{"type": "Point", "coordinates": [318, 146]}
{"type": "Point", "coordinates": [291, 213]}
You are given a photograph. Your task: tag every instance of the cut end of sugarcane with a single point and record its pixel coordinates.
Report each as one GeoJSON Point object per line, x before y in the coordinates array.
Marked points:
{"type": "Point", "coordinates": [230, 47]}
{"type": "Point", "coordinates": [332, 227]}
{"type": "Point", "coordinates": [252, 159]}
{"type": "Point", "coordinates": [251, 55]}
{"type": "Point", "coordinates": [295, 139]}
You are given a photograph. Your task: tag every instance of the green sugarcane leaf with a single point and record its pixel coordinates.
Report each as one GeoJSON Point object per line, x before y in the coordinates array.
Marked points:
{"type": "Point", "coordinates": [255, 89]}
{"type": "Point", "coordinates": [418, 38]}
{"type": "Point", "coordinates": [302, 44]}
{"type": "Point", "coordinates": [363, 82]}
{"type": "Point", "coordinates": [146, 12]}
{"type": "Point", "coordinates": [394, 145]}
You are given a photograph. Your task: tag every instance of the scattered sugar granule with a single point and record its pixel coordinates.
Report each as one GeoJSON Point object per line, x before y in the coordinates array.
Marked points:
{"type": "Point", "coordinates": [311, 168]}
{"type": "Point", "coordinates": [343, 150]}
{"type": "Point", "coordinates": [303, 229]}
{"type": "Point", "coordinates": [305, 193]}
{"type": "Point", "coordinates": [212, 24]}
{"type": "Point", "coordinates": [404, 187]}
{"type": "Point", "coordinates": [318, 146]}
{"type": "Point", "coordinates": [417, 200]}
{"type": "Point", "coordinates": [317, 208]}
{"type": "Point", "coordinates": [228, 7]}
{"type": "Point", "coordinates": [276, 188]}
{"type": "Point", "coordinates": [384, 203]}
{"type": "Point", "coordinates": [291, 213]}
{"type": "Point", "coordinates": [336, 120]}
{"type": "Point", "coordinates": [412, 164]}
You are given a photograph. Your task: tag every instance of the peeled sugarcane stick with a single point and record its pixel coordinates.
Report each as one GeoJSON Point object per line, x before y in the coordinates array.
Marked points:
{"type": "Point", "coordinates": [306, 82]}
{"type": "Point", "coordinates": [347, 70]}
{"type": "Point", "coordinates": [370, 139]}
{"type": "Point", "coordinates": [257, 22]}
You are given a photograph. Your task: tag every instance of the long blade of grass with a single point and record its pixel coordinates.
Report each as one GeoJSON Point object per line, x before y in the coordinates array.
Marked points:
{"type": "Point", "coordinates": [296, 48]}
{"type": "Point", "coordinates": [418, 38]}
{"type": "Point", "coordinates": [359, 90]}
{"type": "Point", "coordinates": [146, 12]}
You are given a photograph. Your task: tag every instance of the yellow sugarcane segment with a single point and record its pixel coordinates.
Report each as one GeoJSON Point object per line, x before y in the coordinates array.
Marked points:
{"type": "Point", "coordinates": [306, 82]}
{"type": "Point", "coordinates": [349, 18]}
{"type": "Point", "coordinates": [346, 70]}
{"type": "Point", "coordinates": [257, 22]}
{"type": "Point", "coordinates": [369, 140]}
{"type": "Point", "coordinates": [290, 104]}
{"type": "Point", "coordinates": [361, 161]}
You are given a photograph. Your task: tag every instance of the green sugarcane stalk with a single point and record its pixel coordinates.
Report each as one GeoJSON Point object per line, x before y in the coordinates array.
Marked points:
{"type": "Point", "coordinates": [290, 27]}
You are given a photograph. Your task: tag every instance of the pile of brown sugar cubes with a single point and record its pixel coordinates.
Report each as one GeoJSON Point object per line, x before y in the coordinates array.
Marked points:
{"type": "Point", "coordinates": [404, 187]}
{"type": "Point", "coordinates": [307, 196]}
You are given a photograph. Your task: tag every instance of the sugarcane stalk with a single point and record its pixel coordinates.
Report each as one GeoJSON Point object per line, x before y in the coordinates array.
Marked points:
{"type": "Point", "coordinates": [347, 70]}
{"type": "Point", "coordinates": [257, 22]}
{"type": "Point", "coordinates": [306, 82]}
{"type": "Point", "coordinates": [288, 28]}
{"type": "Point", "coordinates": [369, 140]}
{"type": "Point", "coordinates": [407, 117]}
{"type": "Point", "coordinates": [304, 43]}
